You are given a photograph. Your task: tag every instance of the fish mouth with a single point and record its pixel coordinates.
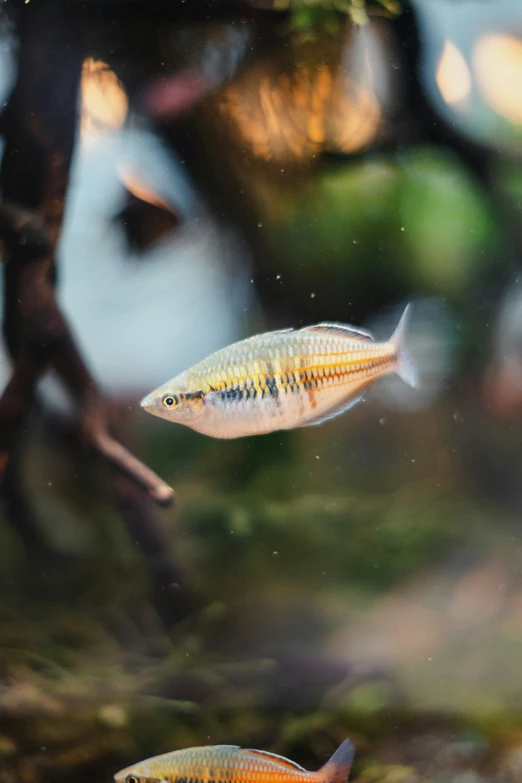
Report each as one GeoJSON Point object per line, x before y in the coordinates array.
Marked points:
{"type": "Point", "coordinates": [150, 404]}
{"type": "Point", "coordinates": [147, 404]}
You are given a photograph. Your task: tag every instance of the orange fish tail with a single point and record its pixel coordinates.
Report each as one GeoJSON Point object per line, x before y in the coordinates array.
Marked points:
{"type": "Point", "coordinates": [337, 769]}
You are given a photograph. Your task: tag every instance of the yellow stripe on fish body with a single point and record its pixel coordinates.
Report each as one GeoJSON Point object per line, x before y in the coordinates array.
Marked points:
{"type": "Point", "coordinates": [280, 380]}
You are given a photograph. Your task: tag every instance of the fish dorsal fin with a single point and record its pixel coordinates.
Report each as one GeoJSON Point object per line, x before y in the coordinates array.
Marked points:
{"type": "Point", "coordinates": [274, 331]}
{"type": "Point", "coordinates": [281, 759]}
{"type": "Point", "coordinates": [339, 330]}
{"type": "Point", "coordinates": [254, 338]}
{"type": "Point", "coordinates": [337, 410]}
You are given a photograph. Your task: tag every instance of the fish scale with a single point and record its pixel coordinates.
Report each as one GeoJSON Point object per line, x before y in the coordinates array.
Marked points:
{"type": "Point", "coordinates": [223, 765]}
{"type": "Point", "coordinates": [300, 364]}
{"type": "Point", "coordinates": [280, 380]}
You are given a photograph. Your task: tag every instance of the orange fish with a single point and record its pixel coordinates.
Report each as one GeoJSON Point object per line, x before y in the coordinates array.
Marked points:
{"type": "Point", "coordinates": [231, 764]}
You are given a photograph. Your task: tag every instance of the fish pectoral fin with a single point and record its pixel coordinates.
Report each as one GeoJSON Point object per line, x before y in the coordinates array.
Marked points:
{"type": "Point", "coordinates": [212, 397]}
{"type": "Point", "coordinates": [281, 759]}
{"type": "Point", "coordinates": [346, 330]}
{"type": "Point", "coordinates": [338, 409]}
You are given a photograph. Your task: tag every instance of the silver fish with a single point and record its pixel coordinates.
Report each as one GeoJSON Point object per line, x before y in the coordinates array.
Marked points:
{"type": "Point", "coordinates": [281, 380]}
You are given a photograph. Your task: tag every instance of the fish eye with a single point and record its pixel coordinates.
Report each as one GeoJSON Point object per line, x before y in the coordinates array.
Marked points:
{"type": "Point", "coordinates": [169, 401]}
{"type": "Point", "coordinates": [132, 779]}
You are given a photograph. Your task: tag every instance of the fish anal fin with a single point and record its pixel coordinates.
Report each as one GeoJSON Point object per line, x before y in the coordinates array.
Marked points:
{"type": "Point", "coordinates": [339, 408]}
{"type": "Point", "coordinates": [284, 762]}
{"type": "Point", "coordinates": [337, 769]}
{"type": "Point", "coordinates": [340, 330]}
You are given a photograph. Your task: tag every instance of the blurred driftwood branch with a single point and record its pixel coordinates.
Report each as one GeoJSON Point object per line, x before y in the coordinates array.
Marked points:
{"type": "Point", "coordinates": [36, 331]}
{"type": "Point", "coordinates": [39, 337]}
{"type": "Point", "coordinates": [39, 124]}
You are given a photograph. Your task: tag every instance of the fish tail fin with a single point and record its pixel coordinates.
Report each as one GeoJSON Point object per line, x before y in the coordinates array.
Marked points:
{"type": "Point", "coordinates": [337, 769]}
{"type": "Point", "coordinates": [403, 367]}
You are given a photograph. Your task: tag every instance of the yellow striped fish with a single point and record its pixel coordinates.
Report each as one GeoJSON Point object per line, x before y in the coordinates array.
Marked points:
{"type": "Point", "coordinates": [231, 764]}
{"type": "Point", "coordinates": [281, 380]}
